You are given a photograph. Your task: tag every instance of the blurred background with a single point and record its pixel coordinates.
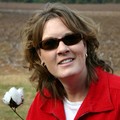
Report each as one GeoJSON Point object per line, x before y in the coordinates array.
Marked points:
{"type": "Point", "coordinates": [14, 14]}
{"type": "Point", "coordinates": [64, 1]}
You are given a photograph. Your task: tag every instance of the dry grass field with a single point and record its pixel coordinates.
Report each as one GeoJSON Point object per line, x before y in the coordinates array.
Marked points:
{"type": "Point", "coordinates": [12, 18]}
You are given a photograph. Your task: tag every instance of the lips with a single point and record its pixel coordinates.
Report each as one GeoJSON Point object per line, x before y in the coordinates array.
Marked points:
{"type": "Point", "coordinates": [65, 61]}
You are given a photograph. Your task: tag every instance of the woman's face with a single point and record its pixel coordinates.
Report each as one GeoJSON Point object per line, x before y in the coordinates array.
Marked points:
{"type": "Point", "coordinates": [64, 61]}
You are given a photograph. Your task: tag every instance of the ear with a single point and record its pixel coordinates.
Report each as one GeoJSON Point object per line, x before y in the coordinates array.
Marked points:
{"type": "Point", "coordinates": [38, 52]}
{"type": "Point", "coordinates": [39, 55]}
{"type": "Point", "coordinates": [86, 49]}
{"type": "Point", "coordinates": [85, 45]}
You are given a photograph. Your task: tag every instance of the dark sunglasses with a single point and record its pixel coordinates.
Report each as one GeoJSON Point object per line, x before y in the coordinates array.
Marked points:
{"type": "Point", "coordinates": [53, 43]}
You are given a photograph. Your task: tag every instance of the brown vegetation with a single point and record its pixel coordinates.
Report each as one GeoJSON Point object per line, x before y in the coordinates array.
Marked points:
{"type": "Point", "coordinates": [12, 20]}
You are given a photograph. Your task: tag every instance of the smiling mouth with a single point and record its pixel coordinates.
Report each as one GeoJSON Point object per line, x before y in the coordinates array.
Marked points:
{"type": "Point", "coordinates": [66, 61]}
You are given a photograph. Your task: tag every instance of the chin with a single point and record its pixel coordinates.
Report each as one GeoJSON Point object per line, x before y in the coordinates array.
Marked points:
{"type": "Point", "coordinates": [68, 74]}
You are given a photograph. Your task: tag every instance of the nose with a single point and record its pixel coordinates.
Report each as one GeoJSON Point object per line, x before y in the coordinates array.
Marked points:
{"type": "Point", "coordinates": [62, 48]}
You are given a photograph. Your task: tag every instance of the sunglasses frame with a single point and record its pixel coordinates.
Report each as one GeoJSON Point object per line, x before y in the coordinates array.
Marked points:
{"type": "Point", "coordinates": [76, 38]}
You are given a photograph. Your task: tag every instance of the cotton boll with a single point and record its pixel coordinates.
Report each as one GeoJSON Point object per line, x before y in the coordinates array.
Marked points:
{"type": "Point", "coordinates": [6, 98]}
{"type": "Point", "coordinates": [16, 97]}
{"type": "Point", "coordinates": [20, 91]}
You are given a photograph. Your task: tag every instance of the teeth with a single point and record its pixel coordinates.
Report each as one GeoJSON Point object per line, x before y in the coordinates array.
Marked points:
{"type": "Point", "coordinates": [66, 61]}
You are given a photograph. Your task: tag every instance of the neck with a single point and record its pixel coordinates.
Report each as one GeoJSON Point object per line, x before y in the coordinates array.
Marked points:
{"type": "Point", "coordinates": [75, 87]}
{"type": "Point", "coordinates": [76, 92]}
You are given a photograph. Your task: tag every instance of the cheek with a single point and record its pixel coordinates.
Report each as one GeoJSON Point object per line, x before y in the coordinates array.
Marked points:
{"type": "Point", "coordinates": [81, 50]}
{"type": "Point", "coordinates": [50, 63]}
{"type": "Point", "coordinates": [48, 57]}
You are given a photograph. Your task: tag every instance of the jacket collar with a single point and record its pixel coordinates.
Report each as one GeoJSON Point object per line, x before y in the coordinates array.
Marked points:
{"type": "Point", "coordinates": [97, 100]}
{"type": "Point", "coordinates": [54, 107]}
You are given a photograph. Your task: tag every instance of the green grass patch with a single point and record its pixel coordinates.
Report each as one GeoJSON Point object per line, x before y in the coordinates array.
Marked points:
{"type": "Point", "coordinates": [20, 80]}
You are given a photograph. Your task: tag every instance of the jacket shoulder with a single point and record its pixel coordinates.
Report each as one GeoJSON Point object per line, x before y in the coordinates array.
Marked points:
{"type": "Point", "coordinates": [114, 81]}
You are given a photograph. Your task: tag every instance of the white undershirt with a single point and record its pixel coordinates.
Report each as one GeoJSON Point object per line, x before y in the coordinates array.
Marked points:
{"type": "Point", "coordinates": [71, 108]}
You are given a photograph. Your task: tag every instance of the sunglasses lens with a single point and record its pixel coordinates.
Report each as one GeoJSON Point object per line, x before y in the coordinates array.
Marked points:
{"type": "Point", "coordinates": [72, 39]}
{"type": "Point", "coordinates": [49, 44]}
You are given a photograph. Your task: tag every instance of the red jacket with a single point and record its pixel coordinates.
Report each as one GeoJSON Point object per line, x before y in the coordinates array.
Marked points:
{"type": "Point", "coordinates": [101, 103]}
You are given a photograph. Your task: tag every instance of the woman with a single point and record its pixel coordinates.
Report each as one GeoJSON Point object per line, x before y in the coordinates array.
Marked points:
{"type": "Point", "coordinates": [73, 83]}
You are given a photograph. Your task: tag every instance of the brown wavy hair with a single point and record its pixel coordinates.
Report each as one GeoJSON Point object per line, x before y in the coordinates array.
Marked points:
{"type": "Point", "coordinates": [32, 35]}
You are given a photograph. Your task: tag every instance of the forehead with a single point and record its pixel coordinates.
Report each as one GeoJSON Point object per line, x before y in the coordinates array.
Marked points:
{"type": "Point", "coordinates": [55, 28]}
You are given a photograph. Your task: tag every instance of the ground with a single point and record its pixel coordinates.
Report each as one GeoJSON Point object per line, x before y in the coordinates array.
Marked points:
{"type": "Point", "coordinates": [13, 16]}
